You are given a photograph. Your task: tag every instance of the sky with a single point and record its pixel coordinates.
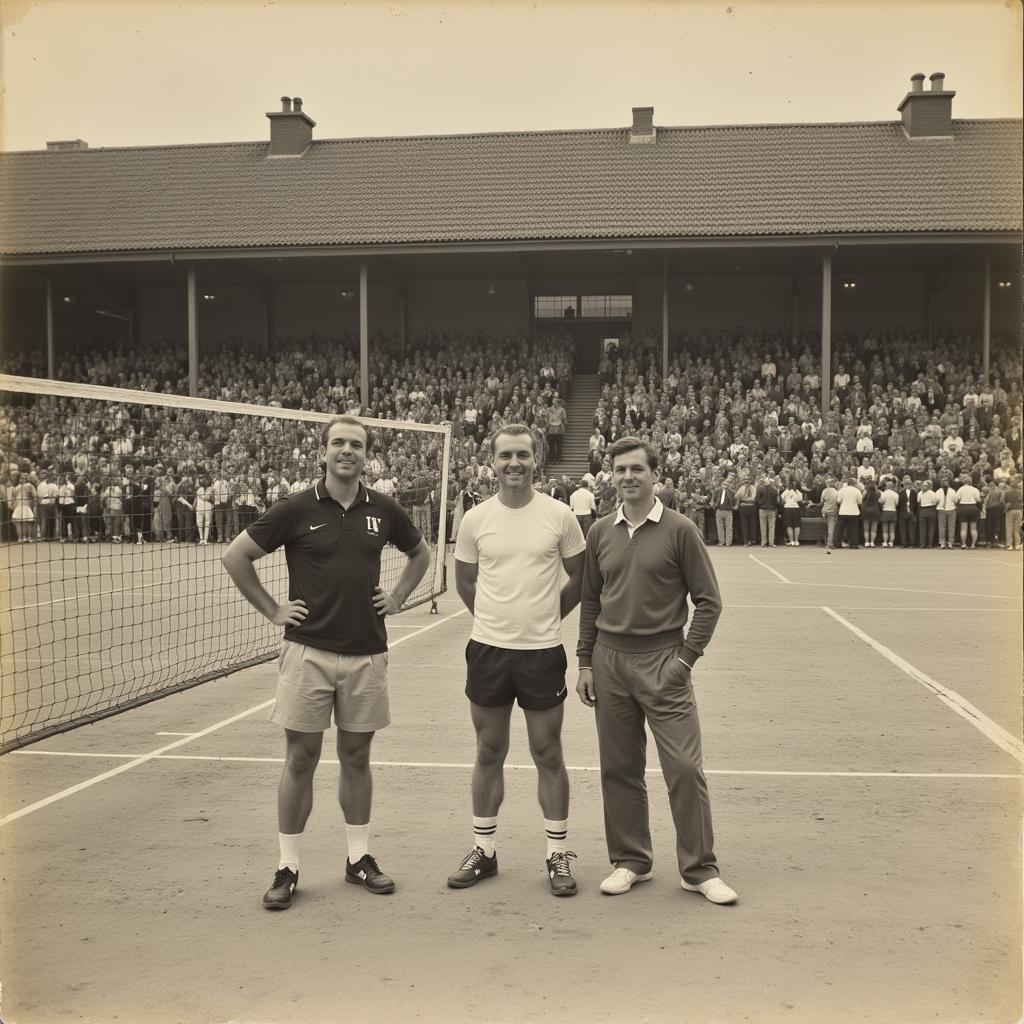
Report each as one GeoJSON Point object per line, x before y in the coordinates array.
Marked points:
{"type": "Point", "coordinates": [147, 72]}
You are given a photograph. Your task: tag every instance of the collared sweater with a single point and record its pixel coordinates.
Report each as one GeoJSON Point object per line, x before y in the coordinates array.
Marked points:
{"type": "Point", "coordinates": [635, 589]}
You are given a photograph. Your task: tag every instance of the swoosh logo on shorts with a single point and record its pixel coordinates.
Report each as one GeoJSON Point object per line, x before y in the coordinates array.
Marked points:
{"type": "Point", "coordinates": [319, 526]}
{"type": "Point", "coordinates": [560, 692]}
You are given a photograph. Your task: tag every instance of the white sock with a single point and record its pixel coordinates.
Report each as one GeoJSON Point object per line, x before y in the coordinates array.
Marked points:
{"type": "Point", "coordinates": [558, 835]}
{"type": "Point", "coordinates": [483, 833]}
{"type": "Point", "coordinates": [289, 851]}
{"type": "Point", "coordinates": [358, 841]}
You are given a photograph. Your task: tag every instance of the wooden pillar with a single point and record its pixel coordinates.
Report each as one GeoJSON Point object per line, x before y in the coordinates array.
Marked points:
{"type": "Point", "coordinates": [796, 311]}
{"type": "Point", "coordinates": [929, 311]}
{"type": "Point", "coordinates": [51, 348]}
{"type": "Point", "coordinates": [826, 332]}
{"type": "Point", "coordinates": [193, 335]}
{"type": "Point", "coordinates": [986, 323]}
{"type": "Point", "coordinates": [364, 337]}
{"type": "Point", "coordinates": [664, 323]}
{"type": "Point", "coordinates": [402, 325]}
{"type": "Point", "coordinates": [269, 325]}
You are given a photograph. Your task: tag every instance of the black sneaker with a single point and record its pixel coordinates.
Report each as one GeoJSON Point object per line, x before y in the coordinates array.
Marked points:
{"type": "Point", "coordinates": [560, 874]}
{"type": "Point", "coordinates": [279, 895]}
{"type": "Point", "coordinates": [475, 865]}
{"type": "Point", "coordinates": [367, 873]}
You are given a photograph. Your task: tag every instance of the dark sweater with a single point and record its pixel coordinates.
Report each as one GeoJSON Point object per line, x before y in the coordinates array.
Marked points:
{"type": "Point", "coordinates": [635, 590]}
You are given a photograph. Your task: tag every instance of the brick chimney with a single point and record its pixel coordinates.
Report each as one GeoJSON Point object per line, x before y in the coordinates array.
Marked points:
{"type": "Point", "coordinates": [66, 145]}
{"type": "Point", "coordinates": [291, 131]}
{"type": "Point", "coordinates": [928, 115]}
{"type": "Point", "coordinates": [643, 130]}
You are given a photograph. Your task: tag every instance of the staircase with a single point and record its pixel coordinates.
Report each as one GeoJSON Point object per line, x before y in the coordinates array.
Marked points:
{"type": "Point", "coordinates": [576, 443]}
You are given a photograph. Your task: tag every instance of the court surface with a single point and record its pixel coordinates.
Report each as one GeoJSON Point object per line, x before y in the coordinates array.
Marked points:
{"type": "Point", "coordinates": [861, 715]}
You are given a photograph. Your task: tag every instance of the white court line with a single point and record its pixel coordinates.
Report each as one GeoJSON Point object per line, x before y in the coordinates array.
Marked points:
{"type": "Point", "coordinates": [71, 790]}
{"type": "Point", "coordinates": [995, 732]}
{"type": "Point", "coordinates": [874, 608]}
{"type": "Point", "coordinates": [907, 590]}
{"type": "Point", "coordinates": [993, 561]}
{"type": "Point", "coordinates": [80, 597]}
{"type": "Point", "coordinates": [174, 734]}
{"type": "Point", "coordinates": [466, 766]}
{"type": "Point", "coordinates": [768, 567]}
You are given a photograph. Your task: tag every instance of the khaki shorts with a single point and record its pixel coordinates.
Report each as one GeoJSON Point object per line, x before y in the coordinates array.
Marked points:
{"type": "Point", "coordinates": [312, 683]}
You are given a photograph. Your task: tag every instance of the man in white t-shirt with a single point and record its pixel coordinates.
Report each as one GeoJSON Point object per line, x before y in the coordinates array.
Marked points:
{"type": "Point", "coordinates": [509, 556]}
{"type": "Point", "coordinates": [583, 505]}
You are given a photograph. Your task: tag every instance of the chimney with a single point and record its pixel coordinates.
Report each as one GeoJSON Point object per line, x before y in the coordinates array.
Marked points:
{"type": "Point", "coordinates": [928, 115]}
{"type": "Point", "coordinates": [291, 131]}
{"type": "Point", "coordinates": [66, 145]}
{"type": "Point", "coordinates": [643, 130]}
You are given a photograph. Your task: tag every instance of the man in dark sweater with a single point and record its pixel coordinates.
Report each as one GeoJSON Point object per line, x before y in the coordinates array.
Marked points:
{"type": "Point", "coordinates": [636, 665]}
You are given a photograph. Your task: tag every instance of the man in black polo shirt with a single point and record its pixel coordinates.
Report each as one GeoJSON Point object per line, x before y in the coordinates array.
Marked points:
{"type": "Point", "coordinates": [334, 654]}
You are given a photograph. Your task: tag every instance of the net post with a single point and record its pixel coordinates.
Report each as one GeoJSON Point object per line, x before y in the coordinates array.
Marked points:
{"type": "Point", "coordinates": [440, 577]}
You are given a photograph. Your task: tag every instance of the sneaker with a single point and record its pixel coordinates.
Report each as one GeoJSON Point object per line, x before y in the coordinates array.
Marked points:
{"type": "Point", "coordinates": [367, 873]}
{"type": "Point", "coordinates": [560, 873]}
{"type": "Point", "coordinates": [279, 895]}
{"type": "Point", "coordinates": [714, 889]}
{"type": "Point", "coordinates": [475, 865]}
{"type": "Point", "coordinates": [622, 880]}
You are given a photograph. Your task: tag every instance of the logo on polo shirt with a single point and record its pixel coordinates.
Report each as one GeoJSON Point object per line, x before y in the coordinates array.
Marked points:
{"type": "Point", "coordinates": [319, 526]}
{"type": "Point", "coordinates": [373, 525]}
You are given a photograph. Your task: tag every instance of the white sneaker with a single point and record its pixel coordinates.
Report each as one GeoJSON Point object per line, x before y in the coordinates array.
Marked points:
{"type": "Point", "coordinates": [622, 880]}
{"type": "Point", "coordinates": [713, 889]}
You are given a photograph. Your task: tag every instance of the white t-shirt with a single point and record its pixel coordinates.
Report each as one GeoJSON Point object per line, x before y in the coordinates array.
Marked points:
{"type": "Point", "coordinates": [519, 554]}
{"type": "Point", "coordinates": [582, 502]}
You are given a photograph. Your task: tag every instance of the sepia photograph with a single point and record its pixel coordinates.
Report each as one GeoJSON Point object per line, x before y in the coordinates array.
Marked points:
{"type": "Point", "coordinates": [472, 484]}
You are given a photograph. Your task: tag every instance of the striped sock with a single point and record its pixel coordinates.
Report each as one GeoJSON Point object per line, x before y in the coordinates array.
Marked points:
{"type": "Point", "coordinates": [483, 833]}
{"type": "Point", "coordinates": [557, 833]}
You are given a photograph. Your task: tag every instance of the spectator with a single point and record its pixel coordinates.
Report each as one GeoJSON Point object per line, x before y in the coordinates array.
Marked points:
{"type": "Point", "coordinates": [830, 512]}
{"type": "Point", "coordinates": [946, 509]}
{"type": "Point", "coordinates": [968, 510]}
{"type": "Point", "coordinates": [850, 500]}
{"type": "Point", "coordinates": [792, 498]}
{"type": "Point", "coordinates": [889, 500]}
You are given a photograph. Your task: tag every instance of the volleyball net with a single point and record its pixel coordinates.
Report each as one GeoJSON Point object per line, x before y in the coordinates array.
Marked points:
{"type": "Point", "coordinates": [115, 508]}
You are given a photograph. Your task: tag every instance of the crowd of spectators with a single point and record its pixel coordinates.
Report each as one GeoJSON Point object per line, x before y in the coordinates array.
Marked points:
{"type": "Point", "coordinates": [89, 470]}
{"type": "Point", "coordinates": [745, 447]}
{"type": "Point", "coordinates": [741, 435]}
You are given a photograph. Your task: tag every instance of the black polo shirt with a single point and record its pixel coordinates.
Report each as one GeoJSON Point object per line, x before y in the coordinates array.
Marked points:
{"type": "Point", "coordinates": [333, 560]}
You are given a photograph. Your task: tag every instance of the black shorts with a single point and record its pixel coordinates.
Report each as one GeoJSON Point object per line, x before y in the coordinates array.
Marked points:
{"type": "Point", "coordinates": [496, 676]}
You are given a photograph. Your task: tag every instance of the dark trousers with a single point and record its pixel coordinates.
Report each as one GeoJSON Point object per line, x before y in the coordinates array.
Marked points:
{"type": "Point", "coordinates": [70, 522]}
{"type": "Point", "coordinates": [849, 530]}
{"type": "Point", "coordinates": [555, 447]}
{"type": "Point", "coordinates": [748, 523]}
{"type": "Point", "coordinates": [186, 523]}
{"type": "Point", "coordinates": [47, 521]}
{"type": "Point", "coordinates": [655, 688]}
{"type": "Point", "coordinates": [928, 523]}
{"type": "Point", "coordinates": [908, 529]}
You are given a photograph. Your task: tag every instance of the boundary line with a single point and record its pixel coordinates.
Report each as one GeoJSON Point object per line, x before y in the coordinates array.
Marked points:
{"type": "Point", "coordinates": [152, 755]}
{"type": "Point", "coordinates": [960, 705]}
{"type": "Point", "coordinates": [768, 567]}
{"type": "Point", "coordinates": [529, 767]}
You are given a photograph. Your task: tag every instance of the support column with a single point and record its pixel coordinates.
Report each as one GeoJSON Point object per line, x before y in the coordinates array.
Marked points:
{"type": "Point", "coordinates": [193, 335]}
{"type": "Point", "coordinates": [986, 323]}
{"type": "Point", "coordinates": [269, 325]}
{"type": "Point", "coordinates": [796, 312]}
{"type": "Point", "coordinates": [929, 314]}
{"type": "Point", "coordinates": [664, 323]}
{"type": "Point", "coordinates": [364, 338]}
{"type": "Point", "coordinates": [826, 332]}
{"type": "Point", "coordinates": [51, 348]}
{"type": "Point", "coordinates": [402, 325]}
